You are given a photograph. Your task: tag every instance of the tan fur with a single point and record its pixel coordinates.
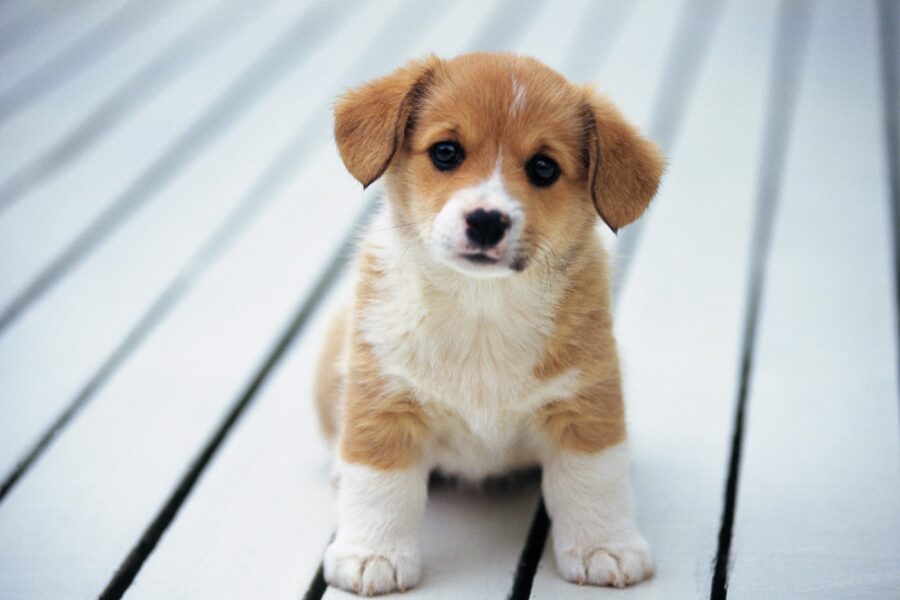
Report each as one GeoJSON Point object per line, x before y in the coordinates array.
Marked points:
{"type": "Point", "coordinates": [625, 168]}
{"type": "Point", "coordinates": [503, 110]}
{"type": "Point", "coordinates": [594, 419]}
{"type": "Point", "coordinates": [327, 388]}
{"type": "Point", "coordinates": [370, 120]}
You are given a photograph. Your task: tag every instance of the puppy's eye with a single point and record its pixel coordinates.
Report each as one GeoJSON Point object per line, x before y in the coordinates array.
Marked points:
{"type": "Point", "coordinates": [542, 170]}
{"type": "Point", "coordinates": [446, 155]}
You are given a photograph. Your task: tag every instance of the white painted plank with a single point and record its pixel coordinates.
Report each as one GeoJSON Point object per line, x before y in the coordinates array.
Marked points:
{"type": "Point", "coordinates": [642, 47]}
{"type": "Point", "coordinates": [40, 226]}
{"type": "Point", "coordinates": [680, 314]}
{"type": "Point", "coordinates": [92, 45]}
{"type": "Point", "coordinates": [818, 510]}
{"type": "Point", "coordinates": [41, 124]}
{"type": "Point", "coordinates": [79, 323]}
{"type": "Point", "coordinates": [549, 36]}
{"type": "Point", "coordinates": [257, 522]}
{"type": "Point", "coordinates": [78, 512]}
{"type": "Point", "coordinates": [29, 52]}
{"type": "Point", "coordinates": [82, 320]}
{"type": "Point", "coordinates": [22, 19]}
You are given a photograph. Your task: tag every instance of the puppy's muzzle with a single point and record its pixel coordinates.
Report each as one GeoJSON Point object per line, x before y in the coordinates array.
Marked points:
{"type": "Point", "coordinates": [486, 228]}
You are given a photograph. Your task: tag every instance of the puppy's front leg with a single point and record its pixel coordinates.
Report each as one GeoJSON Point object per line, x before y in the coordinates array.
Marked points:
{"type": "Point", "coordinates": [587, 490]}
{"type": "Point", "coordinates": [375, 550]}
{"type": "Point", "coordinates": [383, 484]}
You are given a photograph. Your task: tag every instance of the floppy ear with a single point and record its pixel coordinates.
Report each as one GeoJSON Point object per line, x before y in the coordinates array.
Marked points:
{"type": "Point", "coordinates": [624, 167]}
{"type": "Point", "coordinates": [370, 120]}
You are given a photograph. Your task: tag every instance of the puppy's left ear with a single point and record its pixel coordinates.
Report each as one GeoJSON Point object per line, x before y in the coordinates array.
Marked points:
{"type": "Point", "coordinates": [625, 168]}
{"type": "Point", "coordinates": [370, 121]}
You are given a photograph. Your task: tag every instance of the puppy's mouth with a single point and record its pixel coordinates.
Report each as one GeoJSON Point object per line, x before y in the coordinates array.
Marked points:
{"type": "Point", "coordinates": [480, 258]}
{"type": "Point", "coordinates": [485, 263]}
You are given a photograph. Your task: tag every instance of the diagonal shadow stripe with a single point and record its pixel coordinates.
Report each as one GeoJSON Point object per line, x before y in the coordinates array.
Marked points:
{"type": "Point", "coordinates": [889, 23]}
{"type": "Point", "coordinates": [790, 43]}
{"type": "Point", "coordinates": [187, 49]}
{"type": "Point", "coordinates": [86, 50]}
{"type": "Point", "coordinates": [37, 17]}
{"type": "Point", "coordinates": [313, 26]}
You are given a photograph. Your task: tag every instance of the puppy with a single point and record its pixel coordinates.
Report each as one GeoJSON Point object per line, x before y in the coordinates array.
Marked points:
{"type": "Point", "coordinates": [479, 338]}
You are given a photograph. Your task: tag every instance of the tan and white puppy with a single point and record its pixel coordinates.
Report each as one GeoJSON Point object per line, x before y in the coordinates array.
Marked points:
{"type": "Point", "coordinates": [479, 339]}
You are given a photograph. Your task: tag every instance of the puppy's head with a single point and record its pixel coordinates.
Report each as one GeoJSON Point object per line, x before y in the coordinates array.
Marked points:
{"type": "Point", "coordinates": [494, 161]}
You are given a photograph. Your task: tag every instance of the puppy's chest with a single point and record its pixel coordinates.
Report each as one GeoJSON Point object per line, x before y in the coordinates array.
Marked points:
{"type": "Point", "coordinates": [472, 360]}
{"type": "Point", "coordinates": [473, 373]}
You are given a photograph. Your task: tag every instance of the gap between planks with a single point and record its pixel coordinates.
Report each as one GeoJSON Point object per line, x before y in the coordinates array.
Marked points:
{"type": "Point", "coordinates": [888, 21]}
{"type": "Point", "coordinates": [135, 559]}
{"type": "Point", "coordinates": [166, 66]}
{"type": "Point", "coordinates": [790, 43]}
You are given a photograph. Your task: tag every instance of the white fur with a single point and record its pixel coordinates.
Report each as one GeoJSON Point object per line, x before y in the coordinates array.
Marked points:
{"type": "Point", "coordinates": [595, 539]}
{"type": "Point", "coordinates": [376, 547]}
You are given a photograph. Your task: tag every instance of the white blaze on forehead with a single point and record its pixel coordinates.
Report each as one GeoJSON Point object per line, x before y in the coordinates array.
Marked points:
{"type": "Point", "coordinates": [518, 102]}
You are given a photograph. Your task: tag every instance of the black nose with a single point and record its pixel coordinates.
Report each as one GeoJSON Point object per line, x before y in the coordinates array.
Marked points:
{"type": "Point", "coordinates": [486, 227]}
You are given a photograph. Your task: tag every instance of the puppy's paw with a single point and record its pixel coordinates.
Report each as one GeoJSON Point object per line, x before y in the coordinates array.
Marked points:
{"type": "Point", "coordinates": [369, 571]}
{"type": "Point", "coordinates": [617, 564]}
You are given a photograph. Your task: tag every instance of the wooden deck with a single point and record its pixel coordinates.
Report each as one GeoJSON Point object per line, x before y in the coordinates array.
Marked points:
{"type": "Point", "coordinates": [174, 228]}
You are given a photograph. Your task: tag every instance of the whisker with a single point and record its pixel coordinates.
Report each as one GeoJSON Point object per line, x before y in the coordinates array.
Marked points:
{"type": "Point", "coordinates": [397, 226]}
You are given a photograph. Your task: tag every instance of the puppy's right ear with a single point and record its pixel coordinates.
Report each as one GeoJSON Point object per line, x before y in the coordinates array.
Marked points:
{"type": "Point", "coordinates": [370, 121]}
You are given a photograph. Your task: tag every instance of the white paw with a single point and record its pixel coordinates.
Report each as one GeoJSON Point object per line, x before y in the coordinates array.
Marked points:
{"type": "Point", "coordinates": [369, 572]}
{"type": "Point", "coordinates": [616, 564]}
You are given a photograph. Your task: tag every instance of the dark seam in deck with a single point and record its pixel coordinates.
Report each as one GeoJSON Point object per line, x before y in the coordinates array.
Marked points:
{"type": "Point", "coordinates": [310, 135]}
{"type": "Point", "coordinates": [318, 586]}
{"type": "Point", "coordinates": [132, 564]}
{"type": "Point", "coordinates": [790, 41]}
{"type": "Point", "coordinates": [889, 19]}
{"type": "Point", "coordinates": [152, 79]}
{"type": "Point", "coordinates": [530, 559]}
{"type": "Point", "coordinates": [32, 22]}
{"type": "Point", "coordinates": [692, 36]}
{"type": "Point", "coordinates": [277, 61]}
{"type": "Point", "coordinates": [83, 52]}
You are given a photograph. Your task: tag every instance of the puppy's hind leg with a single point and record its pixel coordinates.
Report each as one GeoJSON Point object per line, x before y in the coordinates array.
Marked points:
{"type": "Point", "coordinates": [329, 376]}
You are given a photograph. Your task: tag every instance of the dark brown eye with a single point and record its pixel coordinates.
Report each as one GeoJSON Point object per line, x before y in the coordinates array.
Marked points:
{"type": "Point", "coordinates": [542, 170]}
{"type": "Point", "coordinates": [446, 155]}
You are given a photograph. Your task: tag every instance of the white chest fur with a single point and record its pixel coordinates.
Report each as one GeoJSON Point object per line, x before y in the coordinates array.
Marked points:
{"type": "Point", "coordinates": [467, 349]}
